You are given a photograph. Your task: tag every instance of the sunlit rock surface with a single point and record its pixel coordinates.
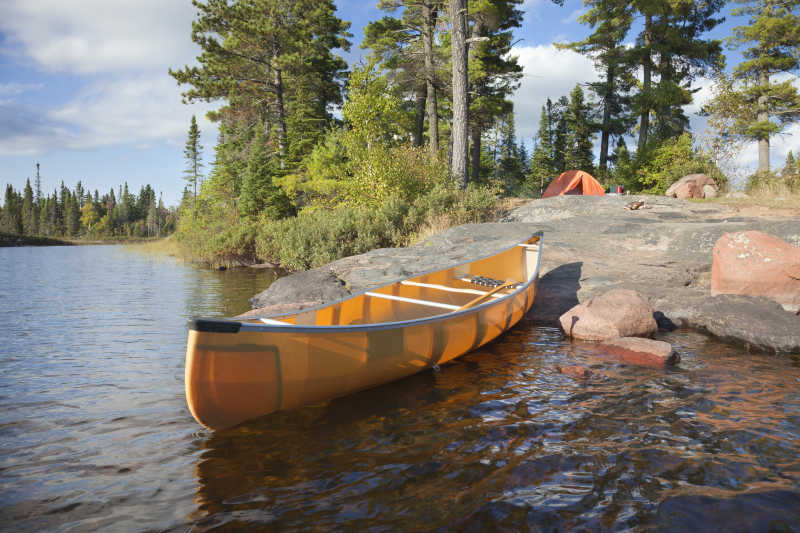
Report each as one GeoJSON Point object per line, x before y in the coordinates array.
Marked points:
{"type": "Point", "coordinates": [593, 244]}
{"type": "Point", "coordinates": [757, 264]}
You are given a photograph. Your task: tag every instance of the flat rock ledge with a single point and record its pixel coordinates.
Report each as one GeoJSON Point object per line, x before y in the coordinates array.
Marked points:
{"type": "Point", "coordinates": [591, 244]}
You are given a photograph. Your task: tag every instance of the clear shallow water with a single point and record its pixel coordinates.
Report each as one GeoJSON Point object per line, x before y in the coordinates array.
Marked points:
{"type": "Point", "coordinates": [95, 433]}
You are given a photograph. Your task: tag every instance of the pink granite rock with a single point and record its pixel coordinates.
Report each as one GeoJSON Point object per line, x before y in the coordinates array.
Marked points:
{"type": "Point", "coordinates": [757, 264]}
{"type": "Point", "coordinates": [642, 352]}
{"type": "Point", "coordinates": [691, 186]}
{"type": "Point", "coordinates": [617, 313]}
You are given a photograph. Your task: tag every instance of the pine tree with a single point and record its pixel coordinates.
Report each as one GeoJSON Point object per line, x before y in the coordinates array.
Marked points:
{"type": "Point", "coordinates": [29, 219]}
{"type": "Point", "coordinates": [494, 73]}
{"type": "Point", "coordinates": [750, 105]}
{"type": "Point", "coordinates": [578, 152]}
{"type": "Point", "coordinates": [611, 20]}
{"type": "Point", "coordinates": [672, 36]}
{"type": "Point", "coordinates": [266, 58]}
{"type": "Point", "coordinates": [12, 212]}
{"type": "Point", "coordinates": [259, 193]}
{"type": "Point", "coordinates": [192, 153]}
{"type": "Point", "coordinates": [560, 134]}
{"type": "Point", "coordinates": [543, 164]}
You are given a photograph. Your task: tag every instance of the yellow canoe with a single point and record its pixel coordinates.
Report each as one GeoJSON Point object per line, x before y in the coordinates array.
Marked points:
{"type": "Point", "coordinates": [237, 370]}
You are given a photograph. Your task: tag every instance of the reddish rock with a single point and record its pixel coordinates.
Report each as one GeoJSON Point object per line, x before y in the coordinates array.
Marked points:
{"type": "Point", "coordinates": [617, 313]}
{"type": "Point", "coordinates": [642, 352]}
{"type": "Point", "coordinates": [576, 371]}
{"type": "Point", "coordinates": [691, 186]}
{"type": "Point", "coordinates": [757, 264]}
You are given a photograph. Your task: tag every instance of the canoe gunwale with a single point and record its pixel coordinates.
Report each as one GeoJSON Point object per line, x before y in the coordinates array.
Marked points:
{"type": "Point", "coordinates": [230, 326]}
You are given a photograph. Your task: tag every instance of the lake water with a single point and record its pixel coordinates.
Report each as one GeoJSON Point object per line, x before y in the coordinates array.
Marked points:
{"type": "Point", "coordinates": [95, 432]}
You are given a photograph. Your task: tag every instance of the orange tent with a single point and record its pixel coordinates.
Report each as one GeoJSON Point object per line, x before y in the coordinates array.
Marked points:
{"type": "Point", "coordinates": [574, 182]}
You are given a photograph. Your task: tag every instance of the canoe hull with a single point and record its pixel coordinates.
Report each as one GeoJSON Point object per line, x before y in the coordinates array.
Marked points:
{"type": "Point", "coordinates": [236, 376]}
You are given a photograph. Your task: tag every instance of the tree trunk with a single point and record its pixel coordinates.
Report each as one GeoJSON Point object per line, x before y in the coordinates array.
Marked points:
{"type": "Point", "coordinates": [419, 115]}
{"type": "Point", "coordinates": [458, 20]}
{"type": "Point", "coordinates": [647, 66]}
{"type": "Point", "coordinates": [475, 150]}
{"type": "Point", "coordinates": [428, 20]}
{"type": "Point", "coordinates": [281, 118]}
{"type": "Point", "coordinates": [606, 127]}
{"type": "Point", "coordinates": [475, 127]}
{"type": "Point", "coordinates": [763, 116]}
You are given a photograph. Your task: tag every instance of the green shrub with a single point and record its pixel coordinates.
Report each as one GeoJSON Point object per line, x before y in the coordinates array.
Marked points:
{"type": "Point", "coordinates": [318, 236]}
{"type": "Point", "coordinates": [663, 163]}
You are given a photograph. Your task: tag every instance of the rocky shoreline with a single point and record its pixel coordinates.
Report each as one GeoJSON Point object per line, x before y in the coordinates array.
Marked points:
{"type": "Point", "coordinates": [591, 245]}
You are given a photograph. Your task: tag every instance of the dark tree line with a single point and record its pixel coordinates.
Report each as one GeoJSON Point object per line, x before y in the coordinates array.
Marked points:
{"type": "Point", "coordinates": [77, 212]}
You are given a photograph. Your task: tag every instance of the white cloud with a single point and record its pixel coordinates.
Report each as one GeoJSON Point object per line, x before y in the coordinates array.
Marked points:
{"type": "Point", "coordinates": [90, 36]}
{"type": "Point", "coordinates": [141, 110]}
{"type": "Point", "coordinates": [135, 109]}
{"type": "Point", "coordinates": [547, 73]}
{"type": "Point", "coordinates": [119, 53]}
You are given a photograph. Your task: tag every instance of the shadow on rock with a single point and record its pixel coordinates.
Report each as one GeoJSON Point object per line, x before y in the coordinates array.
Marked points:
{"type": "Point", "coordinates": [557, 294]}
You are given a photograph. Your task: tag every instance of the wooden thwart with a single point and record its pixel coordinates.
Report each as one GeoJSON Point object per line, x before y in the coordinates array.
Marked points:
{"type": "Point", "coordinates": [479, 299]}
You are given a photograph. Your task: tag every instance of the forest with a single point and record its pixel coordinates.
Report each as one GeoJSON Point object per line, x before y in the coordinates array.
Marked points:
{"type": "Point", "coordinates": [317, 160]}
{"type": "Point", "coordinates": [81, 214]}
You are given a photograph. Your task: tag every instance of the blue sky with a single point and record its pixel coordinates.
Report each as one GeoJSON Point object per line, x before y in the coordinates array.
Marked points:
{"type": "Point", "coordinates": [84, 88]}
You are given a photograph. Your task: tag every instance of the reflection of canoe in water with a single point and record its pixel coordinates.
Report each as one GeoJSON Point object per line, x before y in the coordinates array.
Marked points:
{"type": "Point", "coordinates": [239, 370]}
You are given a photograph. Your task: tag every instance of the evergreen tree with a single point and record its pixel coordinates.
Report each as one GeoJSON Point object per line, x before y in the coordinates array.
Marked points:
{"type": "Point", "coordinates": [560, 134]}
{"type": "Point", "coordinates": [543, 164]}
{"type": "Point", "coordinates": [192, 153]}
{"type": "Point", "coordinates": [611, 20]}
{"type": "Point", "coordinates": [270, 59]}
{"type": "Point", "coordinates": [259, 192]}
{"type": "Point", "coordinates": [750, 105]}
{"type": "Point", "coordinates": [12, 212]}
{"type": "Point", "coordinates": [578, 152]}
{"type": "Point", "coordinates": [672, 36]}
{"type": "Point", "coordinates": [494, 73]}
{"type": "Point", "coordinates": [71, 215]}
{"type": "Point", "coordinates": [29, 218]}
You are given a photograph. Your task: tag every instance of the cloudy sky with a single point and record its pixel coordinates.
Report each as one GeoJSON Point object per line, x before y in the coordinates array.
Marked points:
{"type": "Point", "coordinates": [84, 88]}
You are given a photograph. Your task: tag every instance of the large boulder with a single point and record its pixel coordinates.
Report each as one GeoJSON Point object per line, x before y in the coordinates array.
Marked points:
{"type": "Point", "coordinates": [757, 264]}
{"type": "Point", "coordinates": [692, 186]}
{"type": "Point", "coordinates": [642, 352]}
{"type": "Point", "coordinates": [616, 313]}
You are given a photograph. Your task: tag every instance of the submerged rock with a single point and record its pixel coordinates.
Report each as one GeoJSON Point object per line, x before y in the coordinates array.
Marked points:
{"type": "Point", "coordinates": [616, 313]}
{"type": "Point", "coordinates": [576, 371]}
{"type": "Point", "coordinates": [642, 352]}
{"type": "Point", "coordinates": [757, 264]}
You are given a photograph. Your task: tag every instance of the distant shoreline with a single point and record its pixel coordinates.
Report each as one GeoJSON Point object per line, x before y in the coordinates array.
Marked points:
{"type": "Point", "coordinates": [8, 240]}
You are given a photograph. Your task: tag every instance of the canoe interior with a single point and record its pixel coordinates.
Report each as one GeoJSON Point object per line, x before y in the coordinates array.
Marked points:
{"type": "Point", "coordinates": [447, 286]}
{"type": "Point", "coordinates": [255, 368]}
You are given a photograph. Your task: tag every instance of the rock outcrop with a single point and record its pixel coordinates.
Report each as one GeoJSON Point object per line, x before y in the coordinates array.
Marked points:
{"type": "Point", "coordinates": [692, 186]}
{"type": "Point", "coordinates": [757, 264]}
{"type": "Point", "coordinates": [641, 352]}
{"type": "Point", "coordinates": [592, 244]}
{"type": "Point", "coordinates": [616, 313]}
